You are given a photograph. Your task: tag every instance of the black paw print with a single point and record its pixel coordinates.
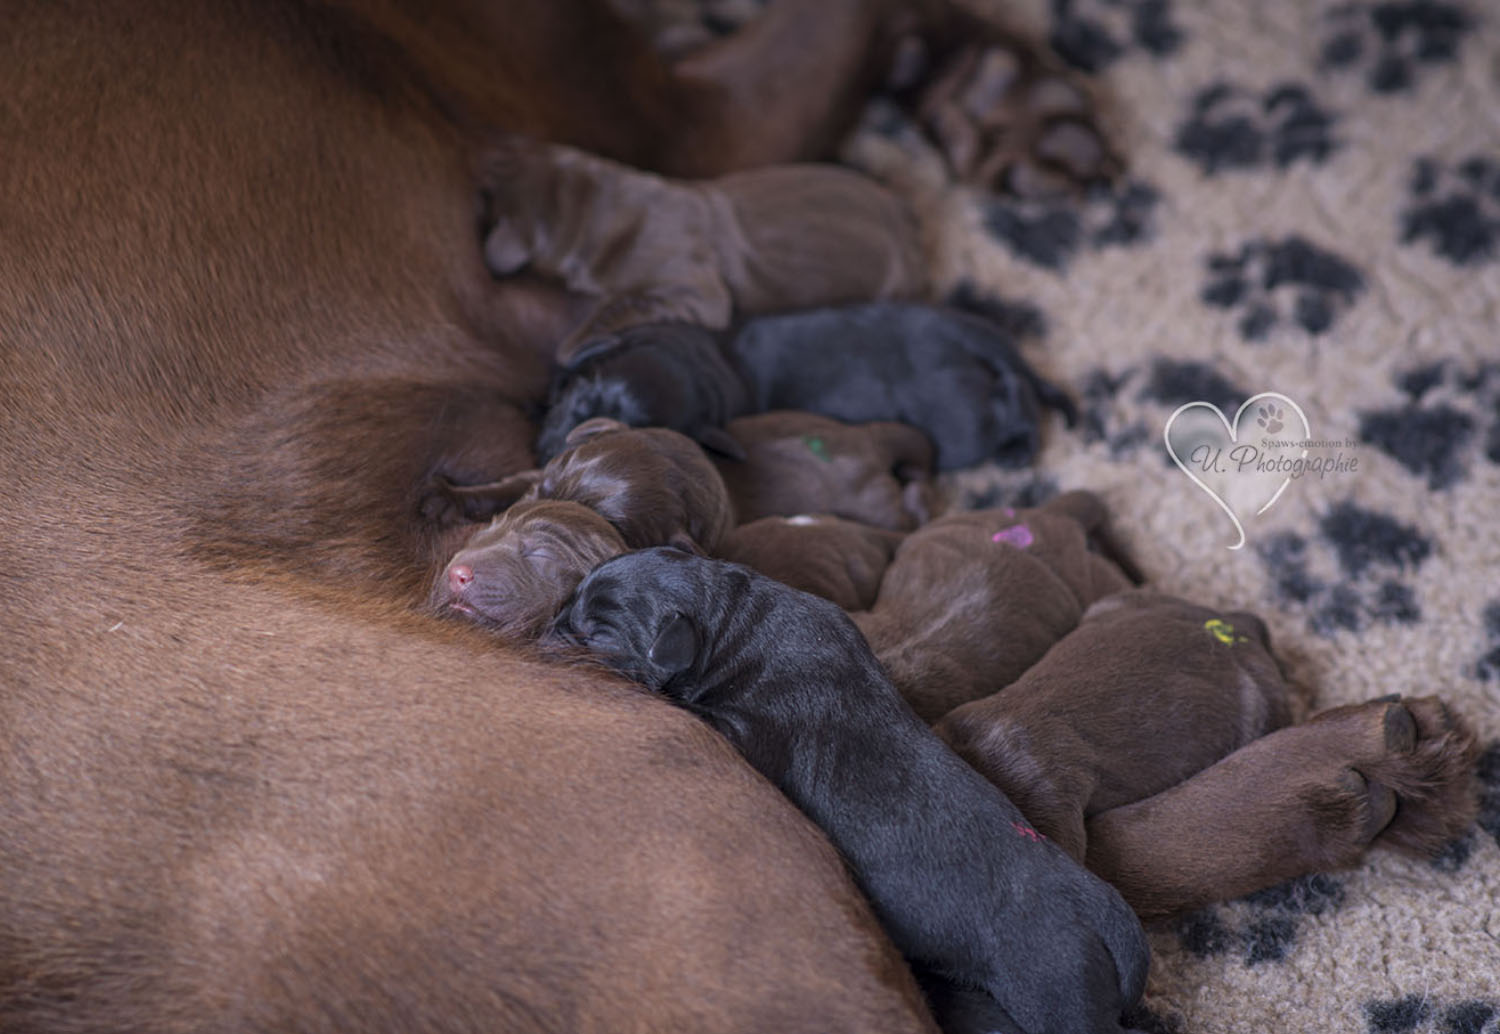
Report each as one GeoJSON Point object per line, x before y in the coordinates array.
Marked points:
{"type": "Point", "coordinates": [1419, 1011]}
{"type": "Point", "coordinates": [1263, 926]}
{"type": "Point", "coordinates": [1456, 210]}
{"type": "Point", "coordinates": [1319, 282]}
{"type": "Point", "coordinates": [1270, 418]}
{"type": "Point", "coordinates": [1371, 549]}
{"type": "Point", "coordinates": [1093, 34]}
{"type": "Point", "coordinates": [1050, 233]}
{"type": "Point", "coordinates": [1230, 128]}
{"type": "Point", "coordinates": [1433, 432]}
{"type": "Point", "coordinates": [1391, 41]}
{"type": "Point", "coordinates": [1100, 416]}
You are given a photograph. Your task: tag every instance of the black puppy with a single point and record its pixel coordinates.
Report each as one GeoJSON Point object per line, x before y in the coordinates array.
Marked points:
{"type": "Point", "coordinates": [966, 888]}
{"type": "Point", "coordinates": [955, 375]}
{"type": "Point", "coordinates": [656, 375]}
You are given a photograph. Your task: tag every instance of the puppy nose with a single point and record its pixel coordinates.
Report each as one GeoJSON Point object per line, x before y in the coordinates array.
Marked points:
{"type": "Point", "coordinates": [459, 577]}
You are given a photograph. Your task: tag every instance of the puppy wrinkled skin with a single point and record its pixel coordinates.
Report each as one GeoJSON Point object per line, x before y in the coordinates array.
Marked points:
{"type": "Point", "coordinates": [827, 556]}
{"type": "Point", "coordinates": [973, 599]}
{"type": "Point", "coordinates": [516, 572]}
{"type": "Point", "coordinates": [1148, 690]}
{"type": "Point", "coordinates": [671, 375]}
{"type": "Point", "coordinates": [955, 375]}
{"type": "Point", "coordinates": [794, 463]}
{"type": "Point", "coordinates": [654, 485]}
{"type": "Point", "coordinates": [968, 890]}
{"type": "Point", "coordinates": [657, 250]}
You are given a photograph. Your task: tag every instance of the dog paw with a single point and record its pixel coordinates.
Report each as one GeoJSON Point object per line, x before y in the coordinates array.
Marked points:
{"type": "Point", "coordinates": [1007, 116]}
{"type": "Point", "coordinates": [1403, 775]}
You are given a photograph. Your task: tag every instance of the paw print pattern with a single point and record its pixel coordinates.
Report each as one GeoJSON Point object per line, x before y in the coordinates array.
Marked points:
{"type": "Point", "coordinates": [1263, 926]}
{"type": "Point", "coordinates": [1230, 128]}
{"type": "Point", "coordinates": [1372, 551]}
{"type": "Point", "coordinates": [1092, 34]}
{"type": "Point", "coordinates": [1051, 233]}
{"type": "Point", "coordinates": [1457, 210]}
{"type": "Point", "coordinates": [1269, 417]}
{"type": "Point", "coordinates": [1275, 281]}
{"type": "Point", "coordinates": [1100, 413]}
{"type": "Point", "coordinates": [1420, 1012]}
{"type": "Point", "coordinates": [1392, 41]}
{"type": "Point", "coordinates": [1487, 668]}
{"type": "Point", "coordinates": [1434, 432]}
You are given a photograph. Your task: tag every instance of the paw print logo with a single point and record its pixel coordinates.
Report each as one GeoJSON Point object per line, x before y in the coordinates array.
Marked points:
{"type": "Point", "coordinates": [1270, 418]}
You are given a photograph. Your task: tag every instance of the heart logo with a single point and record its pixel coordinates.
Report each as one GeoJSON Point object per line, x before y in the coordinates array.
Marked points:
{"type": "Point", "coordinates": [1271, 418]}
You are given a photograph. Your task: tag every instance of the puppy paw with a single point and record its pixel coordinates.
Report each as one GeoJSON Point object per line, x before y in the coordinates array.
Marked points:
{"type": "Point", "coordinates": [1007, 116]}
{"type": "Point", "coordinates": [1405, 775]}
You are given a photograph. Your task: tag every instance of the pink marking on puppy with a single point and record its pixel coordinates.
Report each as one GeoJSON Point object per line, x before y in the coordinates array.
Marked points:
{"type": "Point", "coordinates": [1017, 535]}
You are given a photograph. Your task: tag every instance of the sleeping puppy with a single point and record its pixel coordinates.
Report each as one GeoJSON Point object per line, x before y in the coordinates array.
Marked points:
{"type": "Point", "coordinates": [660, 375]}
{"type": "Point", "coordinates": [975, 598]}
{"type": "Point", "coordinates": [827, 556]}
{"type": "Point", "coordinates": [877, 473]}
{"type": "Point", "coordinates": [955, 375]}
{"type": "Point", "coordinates": [513, 575]}
{"type": "Point", "coordinates": [654, 485]}
{"type": "Point", "coordinates": [964, 886]}
{"type": "Point", "coordinates": [655, 250]}
{"type": "Point", "coordinates": [1148, 690]}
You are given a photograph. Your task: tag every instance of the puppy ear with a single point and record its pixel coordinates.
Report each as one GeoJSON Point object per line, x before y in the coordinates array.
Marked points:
{"type": "Point", "coordinates": [716, 439]}
{"type": "Point", "coordinates": [593, 426]}
{"type": "Point", "coordinates": [685, 542]}
{"type": "Point", "coordinates": [676, 645]}
{"type": "Point", "coordinates": [573, 353]}
{"type": "Point", "coordinates": [481, 502]}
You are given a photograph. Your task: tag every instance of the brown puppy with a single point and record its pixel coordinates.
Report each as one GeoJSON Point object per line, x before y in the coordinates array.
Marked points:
{"type": "Point", "coordinates": [515, 573]}
{"type": "Point", "coordinates": [657, 250]}
{"type": "Point", "coordinates": [827, 556]}
{"type": "Point", "coordinates": [654, 485]}
{"type": "Point", "coordinates": [974, 599]}
{"type": "Point", "coordinates": [1146, 691]}
{"type": "Point", "coordinates": [795, 463]}
{"type": "Point", "coordinates": [1304, 799]}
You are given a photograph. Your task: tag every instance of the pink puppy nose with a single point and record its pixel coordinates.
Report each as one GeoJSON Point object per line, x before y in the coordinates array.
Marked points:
{"type": "Point", "coordinates": [459, 577]}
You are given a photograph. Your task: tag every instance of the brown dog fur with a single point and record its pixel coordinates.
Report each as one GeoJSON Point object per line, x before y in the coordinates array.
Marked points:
{"type": "Point", "coordinates": [960, 615]}
{"type": "Point", "coordinates": [654, 250]}
{"type": "Point", "coordinates": [245, 325]}
{"type": "Point", "coordinates": [796, 463]}
{"type": "Point", "coordinates": [1304, 799]}
{"type": "Point", "coordinates": [514, 574]}
{"type": "Point", "coordinates": [1146, 691]}
{"type": "Point", "coordinates": [654, 485]}
{"type": "Point", "coordinates": [827, 556]}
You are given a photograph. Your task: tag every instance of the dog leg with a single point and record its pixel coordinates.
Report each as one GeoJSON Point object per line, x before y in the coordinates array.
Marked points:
{"type": "Point", "coordinates": [1303, 799]}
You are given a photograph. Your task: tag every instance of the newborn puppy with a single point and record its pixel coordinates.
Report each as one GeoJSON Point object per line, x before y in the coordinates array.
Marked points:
{"type": "Point", "coordinates": [877, 473]}
{"type": "Point", "coordinates": [1148, 690]}
{"type": "Point", "coordinates": [513, 574]}
{"type": "Point", "coordinates": [955, 375]}
{"type": "Point", "coordinates": [836, 559]}
{"type": "Point", "coordinates": [965, 887]}
{"type": "Point", "coordinates": [656, 250]}
{"type": "Point", "coordinates": [654, 485]}
{"type": "Point", "coordinates": [660, 375]}
{"type": "Point", "coordinates": [975, 598]}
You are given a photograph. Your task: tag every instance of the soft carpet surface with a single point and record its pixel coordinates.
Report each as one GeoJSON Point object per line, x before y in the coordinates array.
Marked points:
{"type": "Point", "coordinates": [1312, 208]}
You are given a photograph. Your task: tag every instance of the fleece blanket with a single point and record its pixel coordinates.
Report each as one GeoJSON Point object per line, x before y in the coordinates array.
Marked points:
{"type": "Point", "coordinates": [1311, 210]}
